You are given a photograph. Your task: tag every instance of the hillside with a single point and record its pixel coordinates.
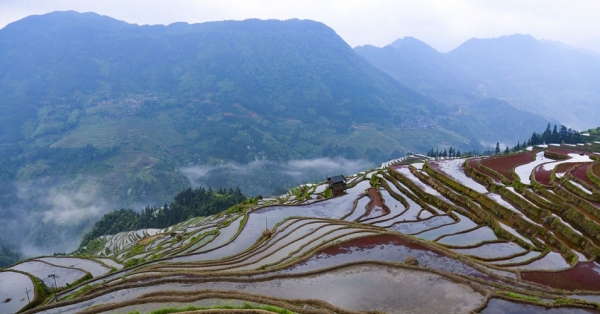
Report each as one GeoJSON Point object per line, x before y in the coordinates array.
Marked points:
{"type": "Point", "coordinates": [507, 233]}
{"type": "Point", "coordinates": [545, 78]}
{"type": "Point", "coordinates": [100, 114]}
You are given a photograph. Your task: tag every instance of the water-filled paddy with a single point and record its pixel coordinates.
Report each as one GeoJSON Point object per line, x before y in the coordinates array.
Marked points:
{"type": "Point", "coordinates": [514, 232]}
{"type": "Point", "coordinates": [360, 210]}
{"type": "Point", "coordinates": [463, 224]}
{"type": "Point", "coordinates": [42, 270]}
{"type": "Point", "coordinates": [453, 168]}
{"type": "Point", "coordinates": [518, 259]}
{"type": "Point", "coordinates": [96, 269]}
{"type": "Point", "coordinates": [13, 286]}
{"type": "Point", "coordinates": [413, 227]}
{"type": "Point", "coordinates": [382, 248]}
{"type": "Point", "coordinates": [360, 287]}
{"type": "Point", "coordinates": [552, 261]}
{"type": "Point", "coordinates": [492, 250]}
{"type": "Point", "coordinates": [473, 237]}
{"type": "Point", "coordinates": [111, 263]}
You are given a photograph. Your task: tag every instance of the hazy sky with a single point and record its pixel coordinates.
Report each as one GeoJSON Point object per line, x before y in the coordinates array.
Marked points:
{"type": "Point", "coordinates": [444, 24]}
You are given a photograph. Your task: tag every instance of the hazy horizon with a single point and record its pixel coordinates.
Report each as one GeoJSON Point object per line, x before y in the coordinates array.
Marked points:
{"type": "Point", "coordinates": [440, 24]}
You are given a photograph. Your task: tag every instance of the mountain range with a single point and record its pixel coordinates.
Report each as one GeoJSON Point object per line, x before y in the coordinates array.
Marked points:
{"type": "Point", "coordinates": [100, 114]}
{"type": "Point", "coordinates": [546, 78]}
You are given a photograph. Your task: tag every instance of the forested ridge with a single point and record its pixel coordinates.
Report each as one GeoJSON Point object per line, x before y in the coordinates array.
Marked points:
{"type": "Point", "coordinates": [98, 113]}
{"type": "Point", "coordinates": [198, 202]}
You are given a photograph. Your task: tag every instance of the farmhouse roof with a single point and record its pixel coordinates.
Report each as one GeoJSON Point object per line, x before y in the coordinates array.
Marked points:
{"type": "Point", "coordinates": [338, 179]}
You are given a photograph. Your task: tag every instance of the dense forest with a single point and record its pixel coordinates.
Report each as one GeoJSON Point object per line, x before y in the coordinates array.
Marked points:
{"type": "Point", "coordinates": [187, 204]}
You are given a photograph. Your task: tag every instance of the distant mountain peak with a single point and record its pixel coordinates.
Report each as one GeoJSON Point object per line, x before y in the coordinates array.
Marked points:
{"type": "Point", "coordinates": [517, 41]}
{"type": "Point", "coordinates": [61, 19]}
{"type": "Point", "coordinates": [412, 45]}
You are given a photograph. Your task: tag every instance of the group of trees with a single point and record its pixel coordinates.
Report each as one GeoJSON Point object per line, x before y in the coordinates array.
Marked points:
{"type": "Point", "coordinates": [187, 204]}
{"type": "Point", "coordinates": [551, 135]}
{"type": "Point", "coordinates": [451, 152]}
{"type": "Point", "coordinates": [555, 135]}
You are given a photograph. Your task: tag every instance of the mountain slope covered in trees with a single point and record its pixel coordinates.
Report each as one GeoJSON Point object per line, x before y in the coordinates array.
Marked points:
{"type": "Point", "coordinates": [186, 205]}
{"type": "Point", "coordinates": [100, 114]}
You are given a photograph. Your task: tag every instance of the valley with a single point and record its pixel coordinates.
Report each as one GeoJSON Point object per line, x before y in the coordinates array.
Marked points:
{"type": "Point", "coordinates": [499, 232]}
{"type": "Point", "coordinates": [264, 166]}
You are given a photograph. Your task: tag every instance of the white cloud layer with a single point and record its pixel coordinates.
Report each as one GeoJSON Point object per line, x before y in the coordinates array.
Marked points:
{"type": "Point", "coordinates": [264, 177]}
{"type": "Point", "coordinates": [442, 24]}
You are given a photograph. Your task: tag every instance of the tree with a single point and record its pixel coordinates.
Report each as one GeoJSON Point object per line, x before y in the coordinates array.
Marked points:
{"type": "Point", "coordinates": [547, 135]}
{"type": "Point", "coordinates": [497, 151]}
{"type": "Point", "coordinates": [555, 136]}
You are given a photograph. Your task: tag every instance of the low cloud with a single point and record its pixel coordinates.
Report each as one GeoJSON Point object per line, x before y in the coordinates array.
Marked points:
{"type": "Point", "coordinates": [268, 177]}
{"type": "Point", "coordinates": [47, 215]}
{"type": "Point", "coordinates": [330, 166]}
{"type": "Point", "coordinates": [73, 207]}
{"type": "Point", "coordinates": [63, 202]}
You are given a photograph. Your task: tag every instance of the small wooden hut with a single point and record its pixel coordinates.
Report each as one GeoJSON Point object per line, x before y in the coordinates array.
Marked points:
{"type": "Point", "coordinates": [337, 183]}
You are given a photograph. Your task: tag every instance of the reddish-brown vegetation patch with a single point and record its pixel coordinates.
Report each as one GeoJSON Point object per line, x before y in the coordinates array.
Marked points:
{"type": "Point", "coordinates": [434, 165]}
{"type": "Point", "coordinates": [371, 242]}
{"type": "Point", "coordinates": [566, 151]}
{"type": "Point", "coordinates": [393, 249]}
{"type": "Point", "coordinates": [580, 173]}
{"type": "Point", "coordinates": [376, 204]}
{"type": "Point", "coordinates": [505, 164]}
{"type": "Point", "coordinates": [542, 176]}
{"type": "Point", "coordinates": [474, 163]}
{"type": "Point", "coordinates": [560, 168]}
{"type": "Point", "coordinates": [584, 276]}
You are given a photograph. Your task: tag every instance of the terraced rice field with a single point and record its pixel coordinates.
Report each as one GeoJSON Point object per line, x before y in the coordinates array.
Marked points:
{"type": "Point", "coordinates": [475, 235]}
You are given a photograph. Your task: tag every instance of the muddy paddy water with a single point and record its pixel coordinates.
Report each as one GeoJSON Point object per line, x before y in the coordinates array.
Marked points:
{"type": "Point", "coordinates": [584, 276]}
{"type": "Point", "coordinates": [386, 248]}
